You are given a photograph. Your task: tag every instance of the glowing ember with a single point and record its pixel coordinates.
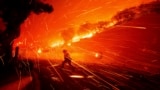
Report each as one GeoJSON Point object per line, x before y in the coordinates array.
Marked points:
{"type": "Point", "coordinates": [111, 24]}
{"type": "Point", "coordinates": [39, 50]}
{"type": "Point", "coordinates": [89, 35]}
{"type": "Point", "coordinates": [76, 39]}
{"type": "Point", "coordinates": [90, 76]}
{"type": "Point", "coordinates": [74, 17]}
{"type": "Point", "coordinates": [76, 76]}
{"type": "Point", "coordinates": [69, 44]}
{"type": "Point", "coordinates": [97, 55]}
{"type": "Point", "coordinates": [57, 43]}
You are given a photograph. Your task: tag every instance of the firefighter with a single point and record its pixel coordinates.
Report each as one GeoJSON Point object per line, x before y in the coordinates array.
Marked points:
{"type": "Point", "coordinates": [67, 59]}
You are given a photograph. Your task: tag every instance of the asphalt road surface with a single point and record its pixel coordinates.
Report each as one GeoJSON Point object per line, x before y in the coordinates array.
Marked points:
{"type": "Point", "coordinates": [93, 77]}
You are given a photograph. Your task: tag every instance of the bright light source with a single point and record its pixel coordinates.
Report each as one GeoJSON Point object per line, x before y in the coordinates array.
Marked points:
{"type": "Point", "coordinates": [76, 39]}
{"type": "Point", "coordinates": [76, 76]}
{"type": "Point", "coordinates": [39, 50]}
{"type": "Point", "coordinates": [89, 35]}
{"type": "Point", "coordinates": [111, 24]}
{"type": "Point", "coordinates": [69, 44]}
{"type": "Point", "coordinates": [57, 43]}
{"type": "Point", "coordinates": [97, 55]}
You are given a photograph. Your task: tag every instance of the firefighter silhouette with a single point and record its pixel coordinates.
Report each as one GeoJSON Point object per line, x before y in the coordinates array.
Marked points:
{"type": "Point", "coordinates": [67, 59]}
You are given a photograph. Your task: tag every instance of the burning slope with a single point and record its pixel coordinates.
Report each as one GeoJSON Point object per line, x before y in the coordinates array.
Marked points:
{"type": "Point", "coordinates": [130, 47]}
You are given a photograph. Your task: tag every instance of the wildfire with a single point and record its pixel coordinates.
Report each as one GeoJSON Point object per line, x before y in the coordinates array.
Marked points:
{"type": "Point", "coordinates": [98, 55]}
{"type": "Point", "coordinates": [66, 39]}
{"type": "Point", "coordinates": [57, 43]}
{"type": "Point", "coordinates": [76, 76]}
{"type": "Point", "coordinates": [78, 37]}
{"type": "Point", "coordinates": [89, 35]}
{"type": "Point", "coordinates": [39, 51]}
{"type": "Point", "coordinates": [69, 44]}
{"type": "Point", "coordinates": [112, 23]}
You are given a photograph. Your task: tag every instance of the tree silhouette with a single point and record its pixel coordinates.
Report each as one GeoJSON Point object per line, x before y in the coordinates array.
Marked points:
{"type": "Point", "coordinates": [12, 15]}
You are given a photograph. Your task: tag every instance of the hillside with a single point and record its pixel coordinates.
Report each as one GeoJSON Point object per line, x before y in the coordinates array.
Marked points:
{"type": "Point", "coordinates": [134, 44]}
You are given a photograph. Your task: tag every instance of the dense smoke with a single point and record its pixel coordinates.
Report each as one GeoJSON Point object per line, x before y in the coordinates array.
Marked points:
{"type": "Point", "coordinates": [135, 12]}
{"type": "Point", "coordinates": [68, 34]}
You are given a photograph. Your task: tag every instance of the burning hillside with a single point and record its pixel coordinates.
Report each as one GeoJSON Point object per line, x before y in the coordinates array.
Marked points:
{"type": "Point", "coordinates": [73, 34]}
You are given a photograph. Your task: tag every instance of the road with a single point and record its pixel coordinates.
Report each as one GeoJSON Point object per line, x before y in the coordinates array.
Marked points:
{"type": "Point", "coordinates": [93, 77]}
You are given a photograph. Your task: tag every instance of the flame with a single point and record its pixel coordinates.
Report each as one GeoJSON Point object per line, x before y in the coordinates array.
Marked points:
{"type": "Point", "coordinates": [76, 39]}
{"type": "Point", "coordinates": [39, 51]}
{"type": "Point", "coordinates": [19, 43]}
{"type": "Point", "coordinates": [92, 30]}
{"type": "Point", "coordinates": [80, 76]}
{"type": "Point", "coordinates": [57, 43]}
{"type": "Point", "coordinates": [89, 35]}
{"type": "Point", "coordinates": [69, 44]}
{"type": "Point", "coordinates": [60, 41]}
{"type": "Point", "coordinates": [76, 76]}
{"type": "Point", "coordinates": [112, 23]}
{"type": "Point", "coordinates": [97, 55]}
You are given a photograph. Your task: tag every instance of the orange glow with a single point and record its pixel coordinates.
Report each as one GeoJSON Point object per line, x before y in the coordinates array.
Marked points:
{"type": "Point", "coordinates": [76, 39]}
{"type": "Point", "coordinates": [97, 55]}
{"type": "Point", "coordinates": [39, 51]}
{"type": "Point", "coordinates": [90, 76]}
{"type": "Point", "coordinates": [89, 35]}
{"type": "Point", "coordinates": [111, 24]}
{"type": "Point", "coordinates": [69, 44]}
{"type": "Point", "coordinates": [19, 43]}
{"type": "Point", "coordinates": [43, 27]}
{"type": "Point", "coordinates": [72, 12]}
{"type": "Point", "coordinates": [76, 76]}
{"type": "Point", "coordinates": [57, 43]}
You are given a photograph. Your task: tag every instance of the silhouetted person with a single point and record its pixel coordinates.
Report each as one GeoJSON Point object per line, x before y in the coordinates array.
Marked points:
{"type": "Point", "coordinates": [67, 59]}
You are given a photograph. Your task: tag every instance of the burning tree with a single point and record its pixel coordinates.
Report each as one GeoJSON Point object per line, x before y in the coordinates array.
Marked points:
{"type": "Point", "coordinates": [86, 28]}
{"type": "Point", "coordinates": [12, 15]}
